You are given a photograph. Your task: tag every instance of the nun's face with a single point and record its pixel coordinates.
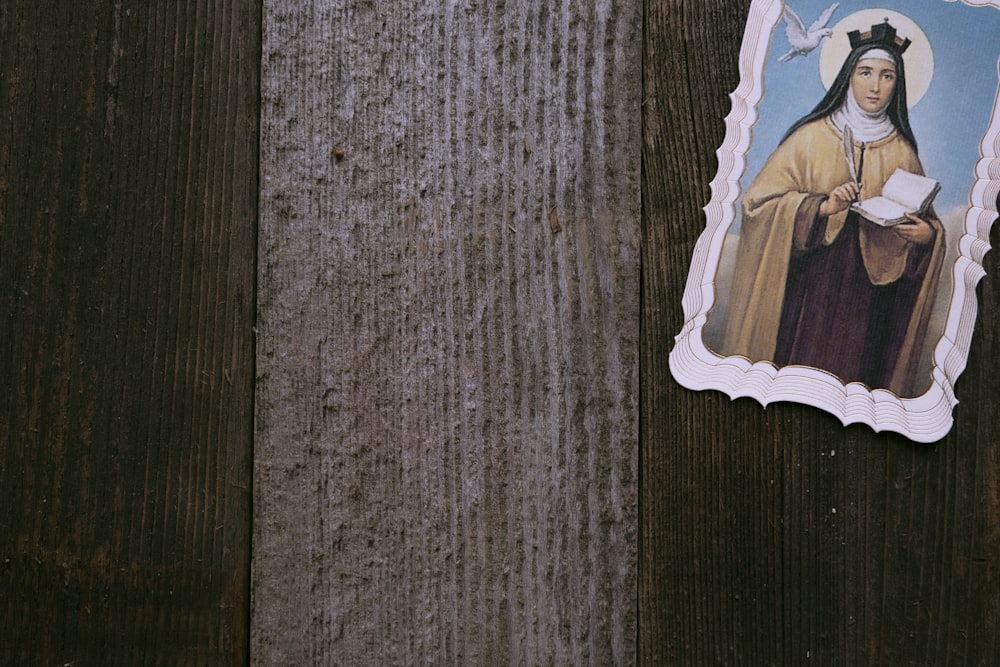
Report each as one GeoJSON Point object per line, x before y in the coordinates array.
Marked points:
{"type": "Point", "coordinates": [872, 83]}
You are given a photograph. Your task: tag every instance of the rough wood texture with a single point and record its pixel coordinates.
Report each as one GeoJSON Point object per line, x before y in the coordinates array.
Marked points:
{"type": "Point", "coordinates": [446, 466]}
{"type": "Point", "coordinates": [128, 161]}
{"type": "Point", "coordinates": [777, 536]}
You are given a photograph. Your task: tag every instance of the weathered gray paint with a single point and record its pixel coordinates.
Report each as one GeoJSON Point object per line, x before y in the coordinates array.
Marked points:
{"type": "Point", "coordinates": [447, 398]}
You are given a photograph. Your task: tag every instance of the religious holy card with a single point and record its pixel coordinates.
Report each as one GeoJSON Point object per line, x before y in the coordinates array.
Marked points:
{"type": "Point", "coordinates": [858, 182]}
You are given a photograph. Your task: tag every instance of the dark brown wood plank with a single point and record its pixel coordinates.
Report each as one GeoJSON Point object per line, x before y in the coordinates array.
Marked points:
{"type": "Point", "coordinates": [777, 536]}
{"type": "Point", "coordinates": [128, 187]}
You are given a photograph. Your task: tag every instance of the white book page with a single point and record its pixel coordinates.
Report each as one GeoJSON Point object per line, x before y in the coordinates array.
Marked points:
{"type": "Point", "coordinates": [908, 189]}
{"type": "Point", "coordinates": [880, 207]}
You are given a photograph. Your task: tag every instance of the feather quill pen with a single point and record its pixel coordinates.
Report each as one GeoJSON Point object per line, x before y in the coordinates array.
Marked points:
{"type": "Point", "coordinates": [849, 152]}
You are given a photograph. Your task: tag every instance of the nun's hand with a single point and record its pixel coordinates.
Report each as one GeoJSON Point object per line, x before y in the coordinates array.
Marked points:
{"type": "Point", "coordinates": [840, 199]}
{"type": "Point", "coordinates": [915, 230]}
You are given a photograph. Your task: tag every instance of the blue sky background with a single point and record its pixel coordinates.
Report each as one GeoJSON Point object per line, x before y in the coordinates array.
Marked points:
{"type": "Point", "coordinates": [948, 123]}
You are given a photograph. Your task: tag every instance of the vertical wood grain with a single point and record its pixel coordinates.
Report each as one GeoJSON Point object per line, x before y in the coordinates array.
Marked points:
{"type": "Point", "coordinates": [447, 392]}
{"type": "Point", "coordinates": [777, 536]}
{"type": "Point", "coordinates": [128, 189]}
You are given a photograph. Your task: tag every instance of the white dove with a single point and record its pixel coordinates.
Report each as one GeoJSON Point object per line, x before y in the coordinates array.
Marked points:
{"type": "Point", "coordinates": [802, 39]}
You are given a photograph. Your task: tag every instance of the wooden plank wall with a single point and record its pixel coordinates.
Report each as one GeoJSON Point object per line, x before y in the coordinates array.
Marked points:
{"type": "Point", "coordinates": [447, 435]}
{"type": "Point", "coordinates": [777, 536]}
{"type": "Point", "coordinates": [128, 191]}
{"type": "Point", "coordinates": [449, 361]}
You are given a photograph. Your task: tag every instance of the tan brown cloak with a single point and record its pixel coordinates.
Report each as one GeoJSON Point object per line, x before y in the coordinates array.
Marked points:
{"type": "Point", "coordinates": [779, 210]}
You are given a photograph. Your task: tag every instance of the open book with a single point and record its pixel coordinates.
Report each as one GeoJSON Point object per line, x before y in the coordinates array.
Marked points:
{"type": "Point", "coordinates": [903, 193]}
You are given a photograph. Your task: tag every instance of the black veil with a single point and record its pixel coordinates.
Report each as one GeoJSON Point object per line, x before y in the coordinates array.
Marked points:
{"type": "Point", "coordinates": [896, 109]}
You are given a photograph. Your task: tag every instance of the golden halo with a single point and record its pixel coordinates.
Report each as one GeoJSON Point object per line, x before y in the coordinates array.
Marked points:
{"type": "Point", "coordinates": [919, 57]}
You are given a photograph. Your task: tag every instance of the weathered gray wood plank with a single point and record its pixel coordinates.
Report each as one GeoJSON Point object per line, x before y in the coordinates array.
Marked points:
{"type": "Point", "coordinates": [446, 452]}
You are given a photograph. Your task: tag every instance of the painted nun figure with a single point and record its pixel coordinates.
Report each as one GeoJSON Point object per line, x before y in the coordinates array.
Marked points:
{"type": "Point", "coordinates": [814, 283]}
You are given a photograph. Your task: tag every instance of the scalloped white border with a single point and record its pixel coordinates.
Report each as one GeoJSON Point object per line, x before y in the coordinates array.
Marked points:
{"type": "Point", "coordinates": [926, 418]}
